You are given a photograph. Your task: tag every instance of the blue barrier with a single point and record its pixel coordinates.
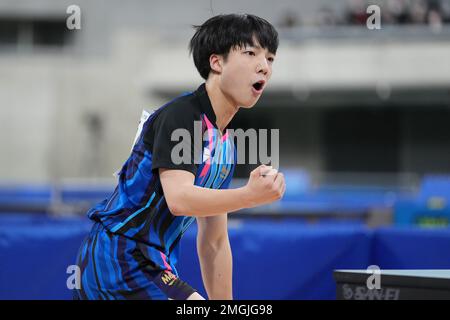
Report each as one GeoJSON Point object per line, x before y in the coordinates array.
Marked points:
{"type": "Point", "coordinates": [411, 247]}
{"type": "Point", "coordinates": [286, 259]}
{"type": "Point", "coordinates": [35, 252]}
{"type": "Point", "coordinates": [279, 260]}
{"type": "Point", "coordinates": [421, 213]}
{"type": "Point", "coordinates": [298, 198]}
{"type": "Point", "coordinates": [431, 207]}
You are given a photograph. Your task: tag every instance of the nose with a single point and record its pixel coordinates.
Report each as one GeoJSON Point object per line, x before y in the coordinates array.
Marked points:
{"type": "Point", "coordinates": [263, 67]}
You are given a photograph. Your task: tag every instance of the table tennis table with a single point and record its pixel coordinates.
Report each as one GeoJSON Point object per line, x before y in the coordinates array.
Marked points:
{"type": "Point", "coordinates": [392, 285]}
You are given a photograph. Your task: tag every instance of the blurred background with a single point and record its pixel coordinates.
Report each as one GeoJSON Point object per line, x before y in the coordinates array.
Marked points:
{"type": "Point", "coordinates": [364, 120]}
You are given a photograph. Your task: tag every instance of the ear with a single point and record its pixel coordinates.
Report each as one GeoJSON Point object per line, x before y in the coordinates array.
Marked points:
{"type": "Point", "coordinates": [216, 63]}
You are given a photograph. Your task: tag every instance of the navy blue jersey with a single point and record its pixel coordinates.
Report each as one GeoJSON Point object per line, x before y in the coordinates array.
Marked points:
{"type": "Point", "coordinates": [137, 209]}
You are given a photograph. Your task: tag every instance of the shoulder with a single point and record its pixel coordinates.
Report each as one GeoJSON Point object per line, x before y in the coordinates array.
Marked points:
{"type": "Point", "coordinates": [181, 109]}
{"type": "Point", "coordinates": [180, 113]}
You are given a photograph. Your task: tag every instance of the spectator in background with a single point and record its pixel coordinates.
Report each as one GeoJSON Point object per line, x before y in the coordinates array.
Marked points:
{"type": "Point", "coordinates": [419, 12]}
{"type": "Point", "coordinates": [289, 20]}
{"type": "Point", "coordinates": [327, 17]}
{"type": "Point", "coordinates": [445, 11]}
{"type": "Point", "coordinates": [356, 13]}
{"type": "Point", "coordinates": [393, 12]}
{"type": "Point", "coordinates": [396, 12]}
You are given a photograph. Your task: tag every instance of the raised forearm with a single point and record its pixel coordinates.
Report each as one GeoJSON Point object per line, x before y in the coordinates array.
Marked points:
{"type": "Point", "coordinates": [185, 198]}
{"type": "Point", "coordinates": [201, 202]}
{"type": "Point", "coordinates": [216, 266]}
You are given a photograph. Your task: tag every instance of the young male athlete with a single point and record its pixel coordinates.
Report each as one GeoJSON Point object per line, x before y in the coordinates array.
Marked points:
{"type": "Point", "coordinates": [132, 249]}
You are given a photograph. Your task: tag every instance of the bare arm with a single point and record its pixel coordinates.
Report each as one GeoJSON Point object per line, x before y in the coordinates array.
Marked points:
{"type": "Point", "coordinates": [184, 198]}
{"type": "Point", "coordinates": [215, 257]}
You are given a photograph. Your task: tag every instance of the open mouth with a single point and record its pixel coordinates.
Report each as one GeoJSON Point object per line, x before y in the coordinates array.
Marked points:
{"type": "Point", "coordinates": [259, 85]}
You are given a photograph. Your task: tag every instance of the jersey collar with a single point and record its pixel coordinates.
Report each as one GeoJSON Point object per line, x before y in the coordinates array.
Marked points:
{"type": "Point", "coordinates": [205, 104]}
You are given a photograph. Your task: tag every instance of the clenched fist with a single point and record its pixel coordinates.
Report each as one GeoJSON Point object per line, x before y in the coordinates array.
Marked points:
{"type": "Point", "coordinates": [264, 186]}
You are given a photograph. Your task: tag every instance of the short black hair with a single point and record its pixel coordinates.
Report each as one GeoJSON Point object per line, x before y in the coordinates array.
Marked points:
{"type": "Point", "coordinates": [221, 33]}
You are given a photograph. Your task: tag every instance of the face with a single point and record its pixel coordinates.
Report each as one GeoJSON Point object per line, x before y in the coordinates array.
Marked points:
{"type": "Point", "coordinates": [245, 74]}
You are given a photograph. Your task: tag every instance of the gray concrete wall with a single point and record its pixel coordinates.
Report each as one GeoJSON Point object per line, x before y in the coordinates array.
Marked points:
{"type": "Point", "coordinates": [128, 51]}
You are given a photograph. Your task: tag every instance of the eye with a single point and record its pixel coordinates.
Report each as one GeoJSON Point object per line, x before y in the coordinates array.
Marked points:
{"type": "Point", "coordinates": [250, 53]}
{"type": "Point", "coordinates": [270, 59]}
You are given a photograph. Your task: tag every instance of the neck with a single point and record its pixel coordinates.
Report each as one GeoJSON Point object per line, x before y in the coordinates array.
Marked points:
{"type": "Point", "coordinates": [224, 108]}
